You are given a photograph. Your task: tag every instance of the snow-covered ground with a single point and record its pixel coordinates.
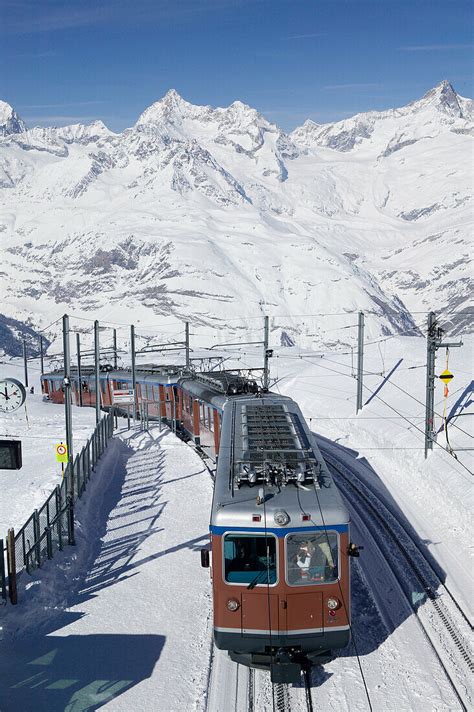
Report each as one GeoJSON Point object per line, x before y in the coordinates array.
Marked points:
{"type": "Point", "coordinates": [40, 426]}
{"type": "Point", "coordinates": [123, 619]}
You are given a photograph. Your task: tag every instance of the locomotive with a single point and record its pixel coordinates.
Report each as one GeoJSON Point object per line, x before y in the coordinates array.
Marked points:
{"type": "Point", "coordinates": [279, 532]}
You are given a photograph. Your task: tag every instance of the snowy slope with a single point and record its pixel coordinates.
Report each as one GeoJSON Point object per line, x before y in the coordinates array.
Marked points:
{"type": "Point", "coordinates": [122, 620]}
{"type": "Point", "coordinates": [210, 214]}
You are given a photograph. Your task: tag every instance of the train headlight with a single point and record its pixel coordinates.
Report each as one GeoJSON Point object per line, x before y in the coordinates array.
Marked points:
{"type": "Point", "coordinates": [333, 604]}
{"type": "Point", "coordinates": [232, 605]}
{"type": "Point", "coordinates": [281, 518]}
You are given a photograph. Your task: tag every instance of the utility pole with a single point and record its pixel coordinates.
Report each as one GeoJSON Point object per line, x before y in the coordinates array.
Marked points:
{"type": "Point", "coordinates": [134, 375]}
{"type": "Point", "coordinates": [25, 363]}
{"type": "Point", "coordinates": [115, 349]}
{"type": "Point", "coordinates": [67, 387]}
{"type": "Point", "coordinates": [79, 372]}
{"type": "Point", "coordinates": [186, 338]}
{"type": "Point", "coordinates": [41, 355]}
{"type": "Point", "coordinates": [97, 371]}
{"type": "Point", "coordinates": [433, 343]}
{"type": "Point", "coordinates": [267, 353]}
{"type": "Point", "coordinates": [360, 361]}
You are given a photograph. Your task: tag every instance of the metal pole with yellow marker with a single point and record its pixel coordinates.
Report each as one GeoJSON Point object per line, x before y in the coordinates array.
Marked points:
{"type": "Point", "coordinates": [67, 398]}
{"type": "Point", "coordinates": [434, 342]}
{"type": "Point", "coordinates": [61, 455]}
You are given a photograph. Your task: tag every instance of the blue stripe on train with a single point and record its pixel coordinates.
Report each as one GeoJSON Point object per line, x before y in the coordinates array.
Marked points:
{"type": "Point", "coordinates": [341, 528]}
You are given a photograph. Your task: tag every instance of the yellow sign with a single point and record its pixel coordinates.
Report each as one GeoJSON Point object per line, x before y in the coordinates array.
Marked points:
{"type": "Point", "coordinates": [446, 376]}
{"type": "Point", "coordinates": [61, 453]}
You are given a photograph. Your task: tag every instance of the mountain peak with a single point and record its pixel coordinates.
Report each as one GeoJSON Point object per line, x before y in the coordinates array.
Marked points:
{"type": "Point", "coordinates": [442, 97]}
{"type": "Point", "coordinates": [171, 108]}
{"type": "Point", "coordinates": [10, 122]}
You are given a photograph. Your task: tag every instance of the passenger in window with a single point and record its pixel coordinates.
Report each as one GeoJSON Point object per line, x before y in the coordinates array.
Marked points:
{"type": "Point", "coordinates": [304, 558]}
{"type": "Point", "coordinates": [312, 560]}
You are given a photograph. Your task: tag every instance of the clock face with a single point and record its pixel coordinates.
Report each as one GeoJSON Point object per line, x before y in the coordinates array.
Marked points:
{"type": "Point", "coordinates": [12, 395]}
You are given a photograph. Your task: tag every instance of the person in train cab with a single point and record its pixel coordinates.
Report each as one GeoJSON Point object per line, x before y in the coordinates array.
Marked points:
{"type": "Point", "coordinates": [322, 562]}
{"type": "Point", "coordinates": [245, 559]}
{"type": "Point", "coordinates": [304, 558]}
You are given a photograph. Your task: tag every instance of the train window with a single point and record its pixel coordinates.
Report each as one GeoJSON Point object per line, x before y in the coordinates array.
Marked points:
{"type": "Point", "coordinates": [311, 558]}
{"type": "Point", "coordinates": [250, 558]}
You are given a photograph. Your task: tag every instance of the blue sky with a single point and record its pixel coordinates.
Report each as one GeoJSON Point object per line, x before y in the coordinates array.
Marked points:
{"type": "Point", "coordinates": [63, 61]}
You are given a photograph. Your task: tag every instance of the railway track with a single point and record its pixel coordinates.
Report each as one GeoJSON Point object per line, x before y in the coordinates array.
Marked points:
{"type": "Point", "coordinates": [237, 688]}
{"type": "Point", "coordinates": [443, 621]}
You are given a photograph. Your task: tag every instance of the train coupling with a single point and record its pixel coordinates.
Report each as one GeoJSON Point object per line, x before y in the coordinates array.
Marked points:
{"type": "Point", "coordinates": [284, 669]}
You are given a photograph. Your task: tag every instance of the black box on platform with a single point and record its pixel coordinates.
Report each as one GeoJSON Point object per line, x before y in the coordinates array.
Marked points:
{"type": "Point", "coordinates": [10, 455]}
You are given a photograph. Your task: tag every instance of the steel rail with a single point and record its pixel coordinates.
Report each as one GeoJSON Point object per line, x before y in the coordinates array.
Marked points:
{"type": "Point", "coordinates": [307, 688]}
{"type": "Point", "coordinates": [386, 521]}
{"type": "Point", "coordinates": [426, 557]}
{"type": "Point", "coordinates": [281, 697]}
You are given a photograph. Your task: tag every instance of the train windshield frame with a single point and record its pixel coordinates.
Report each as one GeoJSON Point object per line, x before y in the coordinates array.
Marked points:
{"type": "Point", "coordinates": [312, 558]}
{"type": "Point", "coordinates": [250, 558]}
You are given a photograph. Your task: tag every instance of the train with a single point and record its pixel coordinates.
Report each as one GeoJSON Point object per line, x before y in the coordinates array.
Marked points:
{"type": "Point", "coordinates": [279, 550]}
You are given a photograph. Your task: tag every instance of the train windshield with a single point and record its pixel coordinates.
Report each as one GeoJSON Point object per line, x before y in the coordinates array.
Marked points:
{"type": "Point", "coordinates": [250, 559]}
{"type": "Point", "coordinates": [312, 558]}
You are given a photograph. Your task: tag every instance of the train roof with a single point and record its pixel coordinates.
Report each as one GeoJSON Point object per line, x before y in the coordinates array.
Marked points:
{"type": "Point", "coordinates": [269, 465]}
{"type": "Point", "coordinates": [144, 373]}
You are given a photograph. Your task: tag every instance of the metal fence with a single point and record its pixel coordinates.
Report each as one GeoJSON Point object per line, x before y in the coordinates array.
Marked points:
{"type": "Point", "coordinates": [51, 527]}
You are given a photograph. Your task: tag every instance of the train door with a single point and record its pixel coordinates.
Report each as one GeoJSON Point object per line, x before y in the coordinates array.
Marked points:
{"type": "Point", "coordinates": [259, 613]}
{"type": "Point", "coordinates": [304, 612]}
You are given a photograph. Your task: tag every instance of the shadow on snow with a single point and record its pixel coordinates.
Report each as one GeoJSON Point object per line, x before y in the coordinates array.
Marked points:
{"type": "Point", "coordinates": [39, 670]}
{"type": "Point", "coordinates": [373, 623]}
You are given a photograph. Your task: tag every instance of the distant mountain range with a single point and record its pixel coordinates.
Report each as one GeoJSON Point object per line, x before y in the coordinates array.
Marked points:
{"type": "Point", "coordinates": [217, 216]}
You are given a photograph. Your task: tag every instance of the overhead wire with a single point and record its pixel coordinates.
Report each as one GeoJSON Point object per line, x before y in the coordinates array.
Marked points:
{"type": "Point", "coordinates": [398, 413]}
{"type": "Point", "coordinates": [343, 598]}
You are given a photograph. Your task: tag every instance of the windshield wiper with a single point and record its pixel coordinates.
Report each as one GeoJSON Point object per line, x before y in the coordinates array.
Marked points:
{"type": "Point", "coordinates": [254, 582]}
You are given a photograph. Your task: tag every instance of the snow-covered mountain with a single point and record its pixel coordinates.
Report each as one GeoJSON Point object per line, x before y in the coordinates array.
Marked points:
{"type": "Point", "coordinates": [10, 122]}
{"type": "Point", "coordinates": [218, 216]}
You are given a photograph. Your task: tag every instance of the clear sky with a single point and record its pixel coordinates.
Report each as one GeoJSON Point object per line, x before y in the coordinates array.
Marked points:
{"type": "Point", "coordinates": [64, 61]}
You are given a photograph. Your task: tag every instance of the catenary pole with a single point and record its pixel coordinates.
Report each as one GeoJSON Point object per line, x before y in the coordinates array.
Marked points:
{"type": "Point", "coordinates": [360, 361]}
{"type": "Point", "coordinates": [430, 381]}
{"type": "Point", "coordinates": [115, 349]}
{"type": "Point", "coordinates": [97, 370]}
{"type": "Point", "coordinates": [79, 371]}
{"type": "Point", "coordinates": [134, 374]}
{"type": "Point", "coordinates": [41, 355]}
{"type": "Point", "coordinates": [67, 387]}
{"type": "Point", "coordinates": [266, 354]}
{"type": "Point", "coordinates": [433, 343]}
{"type": "Point", "coordinates": [25, 363]}
{"type": "Point", "coordinates": [187, 344]}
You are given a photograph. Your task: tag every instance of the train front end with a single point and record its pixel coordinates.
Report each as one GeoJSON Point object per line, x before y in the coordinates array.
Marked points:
{"type": "Point", "coordinates": [279, 541]}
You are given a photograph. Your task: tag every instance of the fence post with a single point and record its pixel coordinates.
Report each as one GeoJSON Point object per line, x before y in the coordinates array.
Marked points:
{"type": "Point", "coordinates": [88, 456]}
{"type": "Point", "coordinates": [82, 465]}
{"type": "Point", "coordinates": [37, 545]}
{"type": "Point", "coordinates": [59, 517]}
{"type": "Point", "coordinates": [11, 563]}
{"type": "Point", "coordinates": [3, 588]}
{"type": "Point", "coordinates": [49, 542]}
{"type": "Point", "coordinates": [70, 521]}
{"type": "Point", "coordinates": [76, 491]}
{"type": "Point", "coordinates": [23, 542]}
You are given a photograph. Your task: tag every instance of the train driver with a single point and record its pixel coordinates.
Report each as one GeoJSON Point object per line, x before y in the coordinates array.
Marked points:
{"type": "Point", "coordinates": [314, 559]}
